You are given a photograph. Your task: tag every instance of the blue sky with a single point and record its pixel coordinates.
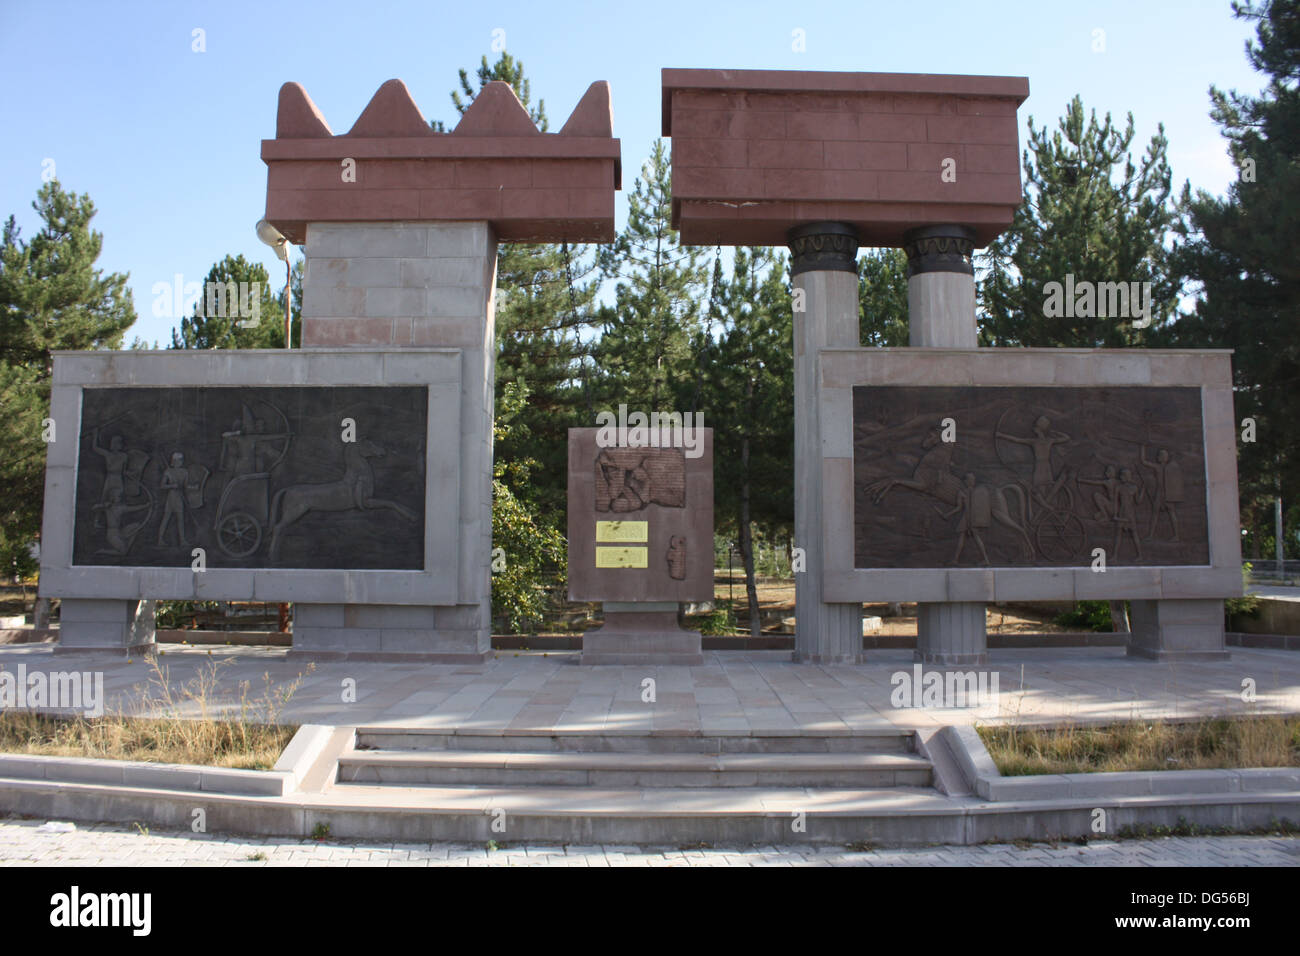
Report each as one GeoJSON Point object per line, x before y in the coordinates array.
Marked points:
{"type": "Point", "coordinates": [167, 141]}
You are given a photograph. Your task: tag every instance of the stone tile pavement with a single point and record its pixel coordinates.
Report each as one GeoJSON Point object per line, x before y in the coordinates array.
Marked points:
{"type": "Point", "coordinates": [23, 844]}
{"type": "Point", "coordinates": [733, 692]}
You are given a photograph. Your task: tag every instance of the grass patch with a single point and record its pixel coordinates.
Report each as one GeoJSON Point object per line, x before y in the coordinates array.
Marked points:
{"type": "Point", "coordinates": [1209, 744]}
{"type": "Point", "coordinates": [187, 723]}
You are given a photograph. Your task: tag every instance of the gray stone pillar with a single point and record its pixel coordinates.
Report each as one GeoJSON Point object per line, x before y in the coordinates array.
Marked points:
{"type": "Point", "coordinates": [413, 284]}
{"type": "Point", "coordinates": [823, 267]}
{"type": "Point", "coordinates": [105, 626]}
{"type": "Point", "coordinates": [941, 314]}
{"type": "Point", "coordinates": [1177, 630]}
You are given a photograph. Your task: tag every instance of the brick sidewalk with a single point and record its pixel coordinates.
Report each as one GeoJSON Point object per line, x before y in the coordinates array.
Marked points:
{"type": "Point", "coordinates": [22, 844]}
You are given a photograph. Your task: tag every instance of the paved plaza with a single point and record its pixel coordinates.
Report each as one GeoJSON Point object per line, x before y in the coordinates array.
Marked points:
{"type": "Point", "coordinates": [732, 693]}
{"type": "Point", "coordinates": [22, 843]}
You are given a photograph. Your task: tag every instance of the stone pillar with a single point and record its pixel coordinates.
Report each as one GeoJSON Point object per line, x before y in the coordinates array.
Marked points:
{"type": "Point", "coordinates": [1177, 630]}
{"type": "Point", "coordinates": [823, 267]}
{"type": "Point", "coordinates": [413, 284]}
{"type": "Point", "coordinates": [105, 626]}
{"type": "Point", "coordinates": [941, 314]}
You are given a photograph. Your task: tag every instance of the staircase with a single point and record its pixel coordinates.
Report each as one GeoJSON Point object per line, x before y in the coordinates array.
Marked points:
{"type": "Point", "coordinates": [660, 788]}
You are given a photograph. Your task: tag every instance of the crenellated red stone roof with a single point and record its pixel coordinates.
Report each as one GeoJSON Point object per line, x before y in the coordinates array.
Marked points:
{"type": "Point", "coordinates": [495, 166]}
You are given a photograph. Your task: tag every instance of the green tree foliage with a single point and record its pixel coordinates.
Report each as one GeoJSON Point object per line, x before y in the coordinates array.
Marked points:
{"type": "Point", "coordinates": [1241, 249]}
{"type": "Point", "coordinates": [229, 315]}
{"type": "Point", "coordinates": [645, 354]}
{"type": "Point", "coordinates": [544, 322]}
{"type": "Point", "coordinates": [882, 297]}
{"type": "Point", "coordinates": [1092, 211]}
{"type": "Point", "coordinates": [528, 570]}
{"type": "Point", "coordinates": [748, 374]}
{"type": "Point", "coordinates": [51, 297]}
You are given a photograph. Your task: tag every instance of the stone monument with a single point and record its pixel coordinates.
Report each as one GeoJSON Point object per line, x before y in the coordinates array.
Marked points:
{"type": "Point", "coordinates": [351, 477]}
{"type": "Point", "coordinates": [641, 541]}
{"type": "Point", "coordinates": [1051, 453]}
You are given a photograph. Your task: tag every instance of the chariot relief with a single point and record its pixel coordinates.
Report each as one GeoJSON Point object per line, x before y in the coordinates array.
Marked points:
{"type": "Point", "coordinates": [257, 477]}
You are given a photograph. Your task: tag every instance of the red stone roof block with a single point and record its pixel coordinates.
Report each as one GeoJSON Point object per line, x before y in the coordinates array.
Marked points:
{"type": "Point", "coordinates": [756, 152]}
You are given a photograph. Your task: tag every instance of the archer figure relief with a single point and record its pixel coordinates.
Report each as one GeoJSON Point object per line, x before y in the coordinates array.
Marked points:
{"type": "Point", "coordinates": [1039, 476]}
{"type": "Point", "coordinates": [1169, 490]}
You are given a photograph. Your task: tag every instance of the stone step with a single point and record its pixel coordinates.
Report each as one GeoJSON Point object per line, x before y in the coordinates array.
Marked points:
{"type": "Point", "coordinates": [668, 816]}
{"type": "Point", "coordinates": [636, 770]}
{"type": "Point", "coordinates": [414, 738]}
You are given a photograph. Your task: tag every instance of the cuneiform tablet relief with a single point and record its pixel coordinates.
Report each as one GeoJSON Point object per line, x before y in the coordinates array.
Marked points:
{"type": "Point", "coordinates": [1028, 477]}
{"type": "Point", "coordinates": [257, 477]}
{"type": "Point", "coordinates": [629, 479]}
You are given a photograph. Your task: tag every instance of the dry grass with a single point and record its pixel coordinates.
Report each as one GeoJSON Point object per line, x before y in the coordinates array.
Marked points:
{"type": "Point", "coordinates": [188, 723]}
{"type": "Point", "coordinates": [1209, 744]}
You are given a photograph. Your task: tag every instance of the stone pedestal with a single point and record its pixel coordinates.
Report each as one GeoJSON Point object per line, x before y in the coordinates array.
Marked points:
{"type": "Point", "coordinates": [644, 633]}
{"type": "Point", "coordinates": [951, 634]}
{"type": "Point", "coordinates": [824, 270]}
{"type": "Point", "coordinates": [941, 314]}
{"type": "Point", "coordinates": [113, 627]}
{"type": "Point", "coordinates": [423, 284]}
{"type": "Point", "coordinates": [1177, 630]}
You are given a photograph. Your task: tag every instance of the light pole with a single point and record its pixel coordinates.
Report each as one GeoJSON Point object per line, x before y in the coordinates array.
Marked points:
{"type": "Point", "coordinates": [276, 240]}
{"type": "Point", "coordinates": [273, 238]}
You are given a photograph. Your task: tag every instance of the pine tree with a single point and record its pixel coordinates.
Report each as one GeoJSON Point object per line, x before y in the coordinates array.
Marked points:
{"type": "Point", "coordinates": [1091, 211]}
{"type": "Point", "coordinates": [232, 316]}
{"type": "Point", "coordinates": [748, 375]}
{"type": "Point", "coordinates": [51, 297]}
{"type": "Point", "coordinates": [882, 297]}
{"type": "Point", "coordinates": [1241, 249]}
{"type": "Point", "coordinates": [544, 329]}
{"type": "Point", "coordinates": [644, 354]}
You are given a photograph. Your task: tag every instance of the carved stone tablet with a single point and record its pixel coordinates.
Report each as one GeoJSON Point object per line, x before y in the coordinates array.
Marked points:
{"type": "Point", "coordinates": [1028, 477]}
{"type": "Point", "coordinates": [640, 520]}
{"type": "Point", "coordinates": [277, 477]}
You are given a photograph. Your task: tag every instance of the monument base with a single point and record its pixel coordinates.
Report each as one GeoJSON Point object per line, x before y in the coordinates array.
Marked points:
{"type": "Point", "coordinates": [951, 634]}
{"type": "Point", "coordinates": [120, 628]}
{"type": "Point", "coordinates": [642, 633]}
{"type": "Point", "coordinates": [390, 632]}
{"type": "Point", "coordinates": [1177, 630]}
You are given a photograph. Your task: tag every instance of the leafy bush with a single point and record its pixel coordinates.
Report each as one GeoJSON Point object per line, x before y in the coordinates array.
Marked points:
{"type": "Point", "coordinates": [1086, 616]}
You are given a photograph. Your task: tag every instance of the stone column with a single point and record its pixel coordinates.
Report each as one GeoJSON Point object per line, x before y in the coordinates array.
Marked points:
{"type": "Point", "coordinates": [823, 267]}
{"type": "Point", "coordinates": [413, 284]}
{"type": "Point", "coordinates": [941, 314]}
{"type": "Point", "coordinates": [1177, 629]}
{"type": "Point", "coordinates": [105, 626]}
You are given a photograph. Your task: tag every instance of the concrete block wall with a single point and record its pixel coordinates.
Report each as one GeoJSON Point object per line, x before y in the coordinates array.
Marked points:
{"type": "Point", "coordinates": [415, 284]}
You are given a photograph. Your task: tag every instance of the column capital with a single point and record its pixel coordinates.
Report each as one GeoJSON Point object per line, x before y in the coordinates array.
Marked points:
{"type": "Point", "coordinates": [939, 249]}
{"type": "Point", "coordinates": [823, 246]}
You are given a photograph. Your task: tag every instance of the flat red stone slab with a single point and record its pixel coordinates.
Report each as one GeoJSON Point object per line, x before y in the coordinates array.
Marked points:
{"type": "Point", "coordinates": [756, 152]}
{"type": "Point", "coordinates": [495, 166]}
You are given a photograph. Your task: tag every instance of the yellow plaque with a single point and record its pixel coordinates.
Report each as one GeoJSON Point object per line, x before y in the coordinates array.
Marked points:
{"type": "Point", "coordinates": [622, 557]}
{"type": "Point", "coordinates": [623, 531]}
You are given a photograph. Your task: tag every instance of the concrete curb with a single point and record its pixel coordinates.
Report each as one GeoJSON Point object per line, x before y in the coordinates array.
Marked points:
{"type": "Point", "coordinates": [295, 762]}
{"type": "Point", "coordinates": [984, 779]}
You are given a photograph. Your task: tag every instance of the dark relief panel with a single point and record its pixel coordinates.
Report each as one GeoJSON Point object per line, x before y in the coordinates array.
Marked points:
{"type": "Point", "coordinates": [1032, 477]}
{"type": "Point", "coordinates": [257, 477]}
